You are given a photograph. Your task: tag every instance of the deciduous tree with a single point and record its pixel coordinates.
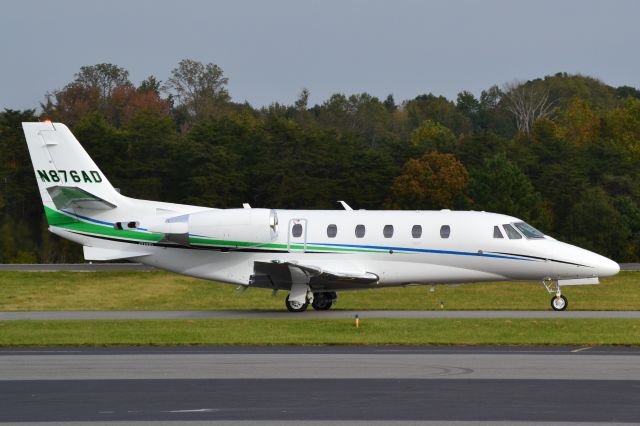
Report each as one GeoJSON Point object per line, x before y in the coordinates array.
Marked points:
{"type": "Point", "coordinates": [528, 103]}
{"type": "Point", "coordinates": [434, 181]}
{"type": "Point", "coordinates": [200, 89]}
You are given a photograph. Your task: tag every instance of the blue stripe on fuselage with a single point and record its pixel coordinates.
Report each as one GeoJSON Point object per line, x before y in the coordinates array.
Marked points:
{"type": "Point", "coordinates": [417, 250]}
{"type": "Point", "coordinates": [101, 222]}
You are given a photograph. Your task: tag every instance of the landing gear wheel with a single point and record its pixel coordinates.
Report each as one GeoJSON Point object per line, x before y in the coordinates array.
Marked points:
{"type": "Point", "coordinates": [559, 303]}
{"type": "Point", "coordinates": [296, 306]}
{"type": "Point", "coordinates": [322, 301]}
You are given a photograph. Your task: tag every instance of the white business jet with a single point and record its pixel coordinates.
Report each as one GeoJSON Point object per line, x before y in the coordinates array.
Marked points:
{"type": "Point", "coordinates": [313, 254]}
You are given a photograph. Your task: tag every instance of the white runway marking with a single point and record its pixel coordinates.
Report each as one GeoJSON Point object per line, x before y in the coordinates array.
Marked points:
{"type": "Point", "coordinates": [581, 349]}
{"type": "Point", "coordinates": [198, 410]}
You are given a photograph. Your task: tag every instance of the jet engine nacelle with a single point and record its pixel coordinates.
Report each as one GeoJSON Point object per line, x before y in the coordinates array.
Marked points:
{"type": "Point", "coordinates": [226, 226]}
{"type": "Point", "coordinates": [259, 226]}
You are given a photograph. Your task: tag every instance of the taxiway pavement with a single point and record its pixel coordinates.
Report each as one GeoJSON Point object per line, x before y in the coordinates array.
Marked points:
{"type": "Point", "coordinates": [334, 384]}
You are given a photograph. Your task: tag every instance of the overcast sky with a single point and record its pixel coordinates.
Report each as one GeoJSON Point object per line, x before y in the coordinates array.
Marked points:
{"type": "Point", "coordinates": [270, 50]}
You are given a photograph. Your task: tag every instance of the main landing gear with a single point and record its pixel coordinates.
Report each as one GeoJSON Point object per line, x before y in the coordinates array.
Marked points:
{"type": "Point", "coordinates": [296, 306]}
{"type": "Point", "coordinates": [323, 301]}
{"type": "Point", "coordinates": [558, 301]}
{"type": "Point", "coordinates": [319, 302]}
{"type": "Point", "coordinates": [301, 295]}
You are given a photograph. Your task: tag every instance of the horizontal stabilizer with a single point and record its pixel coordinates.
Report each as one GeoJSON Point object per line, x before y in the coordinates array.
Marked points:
{"type": "Point", "coordinates": [99, 253]}
{"type": "Point", "coordinates": [68, 197]}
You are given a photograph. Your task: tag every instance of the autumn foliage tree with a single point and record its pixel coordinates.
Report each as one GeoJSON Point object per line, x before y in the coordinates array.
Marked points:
{"type": "Point", "coordinates": [434, 181]}
{"type": "Point", "coordinates": [578, 123]}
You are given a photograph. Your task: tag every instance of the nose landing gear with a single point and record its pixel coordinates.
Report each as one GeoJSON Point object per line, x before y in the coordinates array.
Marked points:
{"type": "Point", "coordinates": [558, 301]}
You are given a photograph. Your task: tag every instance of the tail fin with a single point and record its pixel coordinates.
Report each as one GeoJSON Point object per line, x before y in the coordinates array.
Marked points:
{"type": "Point", "coordinates": [67, 177]}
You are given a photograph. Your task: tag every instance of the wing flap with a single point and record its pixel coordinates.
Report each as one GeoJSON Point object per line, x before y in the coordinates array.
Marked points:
{"type": "Point", "coordinates": [278, 272]}
{"type": "Point", "coordinates": [317, 272]}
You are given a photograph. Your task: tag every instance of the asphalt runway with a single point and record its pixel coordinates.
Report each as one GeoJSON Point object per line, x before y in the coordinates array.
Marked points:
{"type": "Point", "coordinates": [338, 385]}
{"type": "Point", "coordinates": [310, 314]}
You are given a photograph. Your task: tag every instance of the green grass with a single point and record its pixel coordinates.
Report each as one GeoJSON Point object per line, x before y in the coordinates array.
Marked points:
{"type": "Point", "coordinates": [322, 332]}
{"type": "Point", "coordinates": [25, 291]}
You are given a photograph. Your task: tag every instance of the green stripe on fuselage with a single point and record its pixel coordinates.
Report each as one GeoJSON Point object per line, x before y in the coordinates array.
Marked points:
{"type": "Point", "coordinates": [55, 218]}
{"type": "Point", "coordinates": [60, 220]}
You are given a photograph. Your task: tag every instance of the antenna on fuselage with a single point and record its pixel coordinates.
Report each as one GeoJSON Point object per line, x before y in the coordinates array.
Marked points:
{"type": "Point", "coordinates": [345, 205]}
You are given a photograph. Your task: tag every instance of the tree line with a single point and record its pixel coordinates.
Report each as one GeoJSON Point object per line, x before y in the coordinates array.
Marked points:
{"type": "Point", "coordinates": [561, 152]}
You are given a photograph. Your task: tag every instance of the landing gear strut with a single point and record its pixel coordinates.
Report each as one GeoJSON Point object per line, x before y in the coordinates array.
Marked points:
{"type": "Point", "coordinates": [300, 294]}
{"type": "Point", "coordinates": [558, 301]}
{"type": "Point", "coordinates": [323, 301]}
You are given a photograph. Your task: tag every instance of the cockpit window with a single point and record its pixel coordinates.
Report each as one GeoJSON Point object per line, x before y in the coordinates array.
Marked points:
{"type": "Point", "coordinates": [528, 230]}
{"type": "Point", "coordinates": [511, 233]}
{"type": "Point", "coordinates": [496, 232]}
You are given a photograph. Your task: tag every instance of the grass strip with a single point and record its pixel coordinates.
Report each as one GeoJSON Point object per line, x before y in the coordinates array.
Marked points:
{"type": "Point", "coordinates": [321, 332]}
{"type": "Point", "coordinates": [142, 290]}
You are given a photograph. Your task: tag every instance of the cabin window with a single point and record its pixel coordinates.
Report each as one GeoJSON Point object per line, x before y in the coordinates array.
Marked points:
{"type": "Point", "coordinates": [387, 231]}
{"type": "Point", "coordinates": [296, 231]}
{"type": "Point", "coordinates": [445, 231]}
{"type": "Point", "coordinates": [529, 231]}
{"type": "Point", "coordinates": [360, 231]}
{"type": "Point", "coordinates": [332, 231]}
{"type": "Point", "coordinates": [511, 233]}
{"type": "Point", "coordinates": [416, 231]}
{"type": "Point", "coordinates": [497, 233]}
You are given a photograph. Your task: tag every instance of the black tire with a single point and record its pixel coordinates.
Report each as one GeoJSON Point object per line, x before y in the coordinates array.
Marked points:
{"type": "Point", "coordinates": [322, 301]}
{"type": "Point", "coordinates": [292, 308]}
{"type": "Point", "coordinates": [559, 304]}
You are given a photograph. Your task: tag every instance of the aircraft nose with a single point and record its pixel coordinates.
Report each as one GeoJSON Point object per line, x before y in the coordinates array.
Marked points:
{"type": "Point", "coordinates": [595, 264]}
{"type": "Point", "coordinates": [606, 267]}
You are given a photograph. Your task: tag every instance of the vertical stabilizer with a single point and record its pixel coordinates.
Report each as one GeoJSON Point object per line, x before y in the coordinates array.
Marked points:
{"type": "Point", "coordinates": [67, 177]}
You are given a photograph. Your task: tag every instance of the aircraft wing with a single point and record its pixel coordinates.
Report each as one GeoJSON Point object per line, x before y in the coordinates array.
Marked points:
{"type": "Point", "coordinates": [277, 275]}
